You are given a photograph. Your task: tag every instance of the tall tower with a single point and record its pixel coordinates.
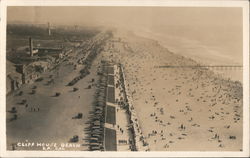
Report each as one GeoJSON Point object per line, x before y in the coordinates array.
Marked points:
{"type": "Point", "coordinates": [31, 46]}
{"type": "Point", "coordinates": [49, 31]}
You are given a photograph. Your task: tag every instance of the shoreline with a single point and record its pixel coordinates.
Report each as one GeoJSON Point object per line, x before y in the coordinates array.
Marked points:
{"type": "Point", "coordinates": [175, 107]}
{"type": "Point", "coordinates": [232, 74]}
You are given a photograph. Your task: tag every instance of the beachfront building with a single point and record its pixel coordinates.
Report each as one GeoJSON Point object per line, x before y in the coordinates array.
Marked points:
{"type": "Point", "coordinates": [54, 52]}
{"type": "Point", "coordinates": [30, 65]}
{"type": "Point", "coordinates": [14, 79]}
{"type": "Point", "coordinates": [32, 71]}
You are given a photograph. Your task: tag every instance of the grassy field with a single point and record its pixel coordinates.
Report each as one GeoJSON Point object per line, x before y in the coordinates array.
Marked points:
{"type": "Point", "coordinates": [111, 80]}
{"type": "Point", "coordinates": [111, 94]}
{"type": "Point", "coordinates": [110, 137]}
{"type": "Point", "coordinates": [111, 115]}
{"type": "Point", "coordinates": [110, 70]}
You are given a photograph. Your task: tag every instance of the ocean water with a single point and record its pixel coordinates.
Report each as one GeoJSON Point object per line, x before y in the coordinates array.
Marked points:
{"type": "Point", "coordinates": [218, 52]}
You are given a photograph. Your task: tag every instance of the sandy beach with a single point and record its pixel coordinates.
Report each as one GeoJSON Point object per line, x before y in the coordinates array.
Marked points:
{"type": "Point", "coordinates": [185, 109]}
{"type": "Point", "coordinates": [178, 109]}
{"type": "Point", "coordinates": [128, 78]}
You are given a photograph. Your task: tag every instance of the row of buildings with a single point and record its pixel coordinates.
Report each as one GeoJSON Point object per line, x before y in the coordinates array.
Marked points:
{"type": "Point", "coordinates": [33, 63]}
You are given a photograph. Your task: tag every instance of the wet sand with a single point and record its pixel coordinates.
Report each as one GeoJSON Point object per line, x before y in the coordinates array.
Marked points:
{"type": "Point", "coordinates": [178, 109]}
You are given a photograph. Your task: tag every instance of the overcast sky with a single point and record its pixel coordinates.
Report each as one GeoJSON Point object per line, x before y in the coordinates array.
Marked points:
{"type": "Point", "coordinates": [216, 27]}
{"type": "Point", "coordinates": [128, 15]}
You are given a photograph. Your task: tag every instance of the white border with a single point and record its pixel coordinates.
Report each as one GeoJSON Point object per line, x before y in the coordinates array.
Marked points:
{"type": "Point", "coordinates": [157, 3]}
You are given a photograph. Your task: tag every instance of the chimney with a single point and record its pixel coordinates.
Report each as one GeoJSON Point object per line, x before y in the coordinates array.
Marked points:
{"type": "Point", "coordinates": [49, 32]}
{"type": "Point", "coordinates": [31, 46]}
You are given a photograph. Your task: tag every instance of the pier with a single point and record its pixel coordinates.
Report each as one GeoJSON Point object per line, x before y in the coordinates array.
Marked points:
{"type": "Point", "coordinates": [214, 67]}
